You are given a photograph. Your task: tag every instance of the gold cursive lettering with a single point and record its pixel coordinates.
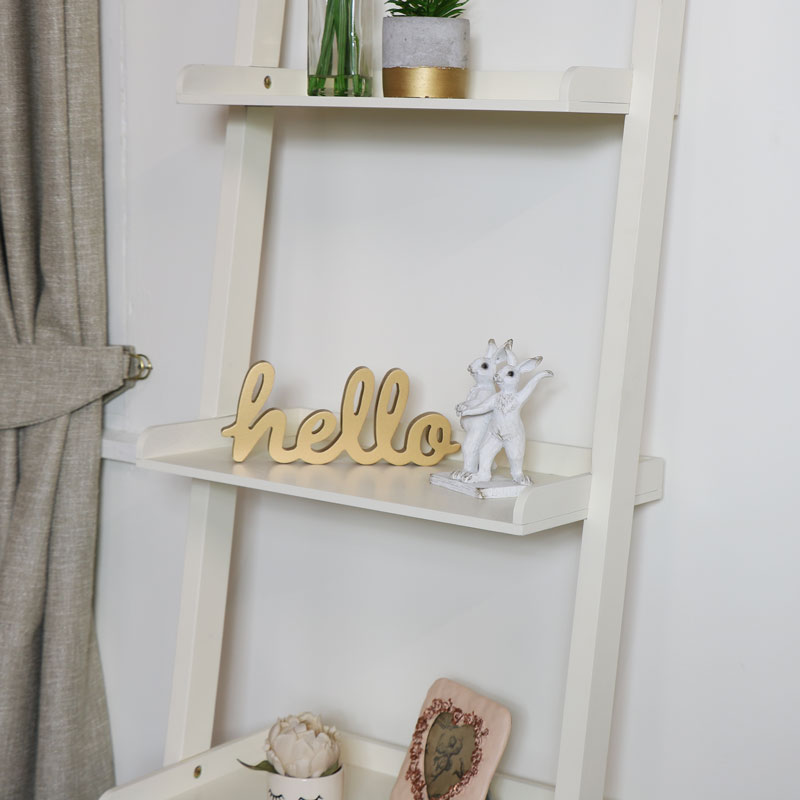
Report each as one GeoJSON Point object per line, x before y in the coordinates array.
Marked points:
{"type": "Point", "coordinates": [427, 439]}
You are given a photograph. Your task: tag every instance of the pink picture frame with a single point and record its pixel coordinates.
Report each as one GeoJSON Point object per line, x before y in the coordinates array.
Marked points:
{"type": "Point", "coordinates": [456, 746]}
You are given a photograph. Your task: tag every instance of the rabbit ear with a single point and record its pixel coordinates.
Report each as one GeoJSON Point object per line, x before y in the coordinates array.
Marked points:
{"type": "Point", "coordinates": [491, 349]}
{"type": "Point", "coordinates": [511, 359]}
{"type": "Point", "coordinates": [530, 364]}
{"type": "Point", "coordinates": [501, 354]}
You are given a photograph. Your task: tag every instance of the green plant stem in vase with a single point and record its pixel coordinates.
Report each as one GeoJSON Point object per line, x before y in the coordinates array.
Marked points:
{"type": "Point", "coordinates": [339, 64]}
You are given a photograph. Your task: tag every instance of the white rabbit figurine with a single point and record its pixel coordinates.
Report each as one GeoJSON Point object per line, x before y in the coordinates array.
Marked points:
{"type": "Point", "coordinates": [505, 424]}
{"type": "Point", "coordinates": [482, 370]}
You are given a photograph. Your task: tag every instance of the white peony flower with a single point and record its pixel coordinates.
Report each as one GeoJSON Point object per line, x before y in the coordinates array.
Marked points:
{"type": "Point", "coordinates": [302, 747]}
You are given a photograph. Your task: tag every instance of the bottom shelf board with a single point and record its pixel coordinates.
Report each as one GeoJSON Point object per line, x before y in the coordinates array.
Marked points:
{"type": "Point", "coordinates": [559, 495]}
{"type": "Point", "coordinates": [371, 769]}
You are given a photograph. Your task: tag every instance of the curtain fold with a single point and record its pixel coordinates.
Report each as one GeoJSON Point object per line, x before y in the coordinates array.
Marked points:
{"type": "Point", "coordinates": [54, 367]}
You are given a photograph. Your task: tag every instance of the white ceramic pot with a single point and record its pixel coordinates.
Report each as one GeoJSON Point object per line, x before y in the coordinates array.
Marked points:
{"type": "Point", "coordinates": [425, 56]}
{"type": "Point", "coordinates": [331, 787]}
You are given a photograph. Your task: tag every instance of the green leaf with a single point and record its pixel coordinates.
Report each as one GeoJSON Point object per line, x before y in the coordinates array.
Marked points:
{"type": "Point", "coordinates": [426, 8]}
{"type": "Point", "coordinates": [264, 766]}
{"type": "Point", "coordinates": [331, 770]}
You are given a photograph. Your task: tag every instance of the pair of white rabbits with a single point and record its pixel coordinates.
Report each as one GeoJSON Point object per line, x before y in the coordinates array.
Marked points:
{"type": "Point", "coordinates": [490, 414]}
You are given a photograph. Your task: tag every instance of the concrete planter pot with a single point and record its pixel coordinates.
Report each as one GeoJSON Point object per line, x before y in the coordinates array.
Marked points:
{"type": "Point", "coordinates": [425, 56]}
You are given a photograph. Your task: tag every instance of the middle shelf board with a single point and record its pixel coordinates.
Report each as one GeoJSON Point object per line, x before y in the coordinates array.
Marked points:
{"type": "Point", "coordinates": [559, 495]}
{"type": "Point", "coordinates": [583, 90]}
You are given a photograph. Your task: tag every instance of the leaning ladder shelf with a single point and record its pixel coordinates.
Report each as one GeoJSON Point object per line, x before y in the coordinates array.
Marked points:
{"type": "Point", "coordinates": [599, 486]}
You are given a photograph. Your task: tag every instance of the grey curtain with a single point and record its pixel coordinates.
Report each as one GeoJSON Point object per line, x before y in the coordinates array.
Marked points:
{"type": "Point", "coordinates": [54, 368]}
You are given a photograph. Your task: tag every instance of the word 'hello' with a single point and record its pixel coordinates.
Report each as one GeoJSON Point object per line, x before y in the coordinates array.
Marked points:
{"type": "Point", "coordinates": [430, 431]}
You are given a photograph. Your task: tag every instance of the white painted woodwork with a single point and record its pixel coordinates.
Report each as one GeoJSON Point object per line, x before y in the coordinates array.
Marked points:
{"type": "Point", "coordinates": [199, 639]}
{"type": "Point", "coordinates": [600, 485]}
{"type": "Point", "coordinates": [248, 145]}
{"type": "Point", "coordinates": [118, 445]}
{"type": "Point", "coordinates": [371, 769]}
{"type": "Point", "coordinates": [590, 90]}
{"type": "Point", "coordinates": [560, 493]}
{"type": "Point", "coordinates": [635, 257]}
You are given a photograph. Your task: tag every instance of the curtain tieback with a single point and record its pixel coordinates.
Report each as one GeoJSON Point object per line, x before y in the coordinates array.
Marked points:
{"type": "Point", "coordinates": [42, 382]}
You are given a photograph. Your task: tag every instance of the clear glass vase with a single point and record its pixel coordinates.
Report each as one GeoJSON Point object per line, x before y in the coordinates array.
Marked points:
{"type": "Point", "coordinates": [339, 53]}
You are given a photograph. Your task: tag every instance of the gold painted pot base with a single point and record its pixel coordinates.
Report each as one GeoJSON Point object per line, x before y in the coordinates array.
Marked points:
{"type": "Point", "coordinates": [424, 82]}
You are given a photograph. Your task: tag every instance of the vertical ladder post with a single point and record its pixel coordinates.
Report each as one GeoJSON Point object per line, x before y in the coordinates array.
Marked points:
{"type": "Point", "coordinates": [248, 146]}
{"type": "Point", "coordinates": [633, 276]}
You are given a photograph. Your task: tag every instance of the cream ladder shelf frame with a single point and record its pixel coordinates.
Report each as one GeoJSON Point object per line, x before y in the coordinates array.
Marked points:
{"type": "Point", "coordinates": [649, 105]}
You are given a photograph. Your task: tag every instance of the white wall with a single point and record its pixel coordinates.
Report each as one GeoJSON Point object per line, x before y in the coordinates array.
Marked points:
{"type": "Point", "coordinates": [510, 228]}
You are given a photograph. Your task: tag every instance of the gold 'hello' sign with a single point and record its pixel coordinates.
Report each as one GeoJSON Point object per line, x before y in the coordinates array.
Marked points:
{"type": "Point", "coordinates": [427, 439]}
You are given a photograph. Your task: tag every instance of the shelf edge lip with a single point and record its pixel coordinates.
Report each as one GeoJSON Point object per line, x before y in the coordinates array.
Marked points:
{"type": "Point", "coordinates": [583, 90]}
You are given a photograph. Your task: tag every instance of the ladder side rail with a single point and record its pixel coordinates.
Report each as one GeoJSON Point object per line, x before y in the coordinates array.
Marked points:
{"type": "Point", "coordinates": [246, 165]}
{"type": "Point", "coordinates": [633, 277]}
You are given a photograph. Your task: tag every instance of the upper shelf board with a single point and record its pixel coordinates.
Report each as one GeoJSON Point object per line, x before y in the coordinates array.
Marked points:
{"type": "Point", "coordinates": [586, 90]}
{"type": "Point", "coordinates": [559, 495]}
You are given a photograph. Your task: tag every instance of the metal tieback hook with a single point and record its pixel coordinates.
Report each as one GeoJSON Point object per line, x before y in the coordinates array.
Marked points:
{"type": "Point", "coordinates": [139, 367]}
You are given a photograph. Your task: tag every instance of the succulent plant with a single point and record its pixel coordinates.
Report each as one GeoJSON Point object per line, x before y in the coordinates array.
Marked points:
{"type": "Point", "coordinates": [426, 8]}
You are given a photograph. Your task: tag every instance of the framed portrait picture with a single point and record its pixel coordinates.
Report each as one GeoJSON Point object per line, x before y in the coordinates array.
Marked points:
{"type": "Point", "coordinates": [457, 743]}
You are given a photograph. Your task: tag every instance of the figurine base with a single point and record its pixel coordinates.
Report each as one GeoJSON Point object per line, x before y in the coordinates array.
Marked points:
{"type": "Point", "coordinates": [498, 486]}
